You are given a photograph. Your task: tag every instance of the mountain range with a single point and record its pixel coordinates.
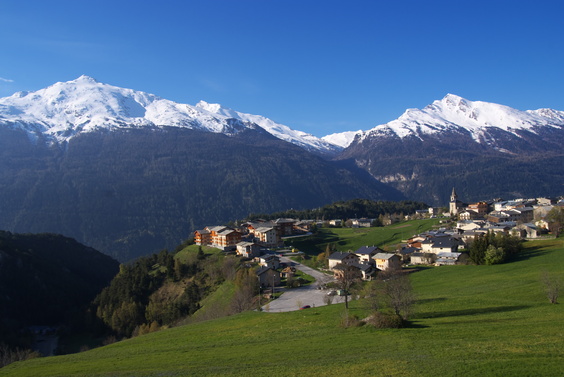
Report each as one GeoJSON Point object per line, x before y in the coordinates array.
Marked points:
{"type": "Point", "coordinates": [486, 150]}
{"type": "Point", "coordinates": [129, 173]}
{"type": "Point", "coordinates": [67, 109]}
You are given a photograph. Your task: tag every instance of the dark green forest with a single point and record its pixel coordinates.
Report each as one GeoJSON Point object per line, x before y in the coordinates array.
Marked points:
{"type": "Point", "coordinates": [348, 209]}
{"type": "Point", "coordinates": [47, 279]}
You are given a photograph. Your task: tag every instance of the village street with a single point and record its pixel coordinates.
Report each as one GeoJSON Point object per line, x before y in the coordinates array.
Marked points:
{"type": "Point", "coordinates": [294, 299]}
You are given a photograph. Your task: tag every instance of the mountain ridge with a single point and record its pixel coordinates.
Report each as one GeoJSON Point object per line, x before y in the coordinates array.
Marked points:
{"type": "Point", "coordinates": [453, 112]}
{"type": "Point", "coordinates": [67, 109]}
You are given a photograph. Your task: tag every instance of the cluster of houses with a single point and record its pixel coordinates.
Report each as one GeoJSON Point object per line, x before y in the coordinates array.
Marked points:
{"type": "Point", "coordinates": [253, 240]}
{"type": "Point", "coordinates": [524, 218]}
{"type": "Point", "coordinates": [250, 238]}
{"type": "Point", "coordinates": [364, 262]}
{"type": "Point", "coordinates": [521, 217]}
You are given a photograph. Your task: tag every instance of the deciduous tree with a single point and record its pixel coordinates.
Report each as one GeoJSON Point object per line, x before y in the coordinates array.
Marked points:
{"type": "Point", "coordinates": [552, 285]}
{"type": "Point", "coordinates": [347, 277]}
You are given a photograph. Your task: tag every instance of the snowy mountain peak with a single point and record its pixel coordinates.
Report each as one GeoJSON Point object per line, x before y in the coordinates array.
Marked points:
{"type": "Point", "coordinates": [342, 139]}
{"type": "Point", "coordinates": [216, 108]}
{"type": "Point", "coordinates": [66, 109]}
{"type": "Point", "coordinates": [85, 79]}
{"type": "Point", "coordinates": [454, 113]}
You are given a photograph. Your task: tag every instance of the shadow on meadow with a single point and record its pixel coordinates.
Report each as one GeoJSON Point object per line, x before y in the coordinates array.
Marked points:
{"type": "Point", "coordinates": [477, 311]}
{"type": "Point", "coordinates": [426, 300]}
{"type": "Point", "coordinates": [528, 253]}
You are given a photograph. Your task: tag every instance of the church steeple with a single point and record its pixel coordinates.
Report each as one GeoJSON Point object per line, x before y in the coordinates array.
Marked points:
{"type": "Point", "coordinates": [454, 204]}
{"type": "Point", "coordinates": [453, 196]}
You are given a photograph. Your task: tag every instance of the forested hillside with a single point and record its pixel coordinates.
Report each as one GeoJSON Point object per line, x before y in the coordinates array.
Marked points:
{"type": "Point", "coordinates": [132, 193]}
{"type": "Point", "coordinates": [47, 279]}
{"type": "Point", "coordinates": [159, 290]}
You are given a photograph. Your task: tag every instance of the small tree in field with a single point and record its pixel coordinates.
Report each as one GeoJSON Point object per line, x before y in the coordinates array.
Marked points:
{"type": "Point", "coordinates": [347, 277]}
{"type": "Point", "coordinates": [391, 292]}
{"type": "Point", "coordinates": [552, 286]}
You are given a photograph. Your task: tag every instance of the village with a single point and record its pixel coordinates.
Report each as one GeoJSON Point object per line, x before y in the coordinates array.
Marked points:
{"type": "Point", "coordinates": [262, 242]}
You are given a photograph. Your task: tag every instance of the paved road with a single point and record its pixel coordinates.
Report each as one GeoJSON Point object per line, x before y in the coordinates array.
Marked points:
{"type": "Point", "coordinates": [293, 299]}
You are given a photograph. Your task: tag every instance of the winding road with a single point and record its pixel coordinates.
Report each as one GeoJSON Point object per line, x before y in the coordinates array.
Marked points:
{"type": "Point", "coordinates": [294, 299]}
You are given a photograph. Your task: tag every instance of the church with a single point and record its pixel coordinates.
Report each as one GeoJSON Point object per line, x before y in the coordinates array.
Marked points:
{"type": "Point", "coordinates": [455, 206]}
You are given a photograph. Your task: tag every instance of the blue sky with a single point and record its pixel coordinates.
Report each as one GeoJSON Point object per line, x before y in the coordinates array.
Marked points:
{"type": "Point", "coordinates": [316, 66]}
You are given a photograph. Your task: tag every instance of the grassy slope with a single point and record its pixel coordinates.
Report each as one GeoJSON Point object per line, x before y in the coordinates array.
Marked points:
{"type": "Point", "coordinates": [471, 321]}
{"type": "Point", "coordinates": [346, 239]}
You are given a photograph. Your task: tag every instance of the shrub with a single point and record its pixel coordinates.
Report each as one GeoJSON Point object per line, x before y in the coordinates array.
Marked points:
{"type": "Point", "coordinates": [382, 320]}
{"type": "Point", "coordinates": [348, 320]}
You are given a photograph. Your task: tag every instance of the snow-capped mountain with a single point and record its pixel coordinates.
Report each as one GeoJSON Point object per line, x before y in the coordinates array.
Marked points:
{"type": "Point", "coordinates": [342, 139]}
{"type": "Point", "coordinates": [67, 109]}
{"type": "Point", "coordinates": [281, 131]}
{"type": "Point", "coordinates": [484, 149]}
{"type": "Point", "coordinates": [454, 113]}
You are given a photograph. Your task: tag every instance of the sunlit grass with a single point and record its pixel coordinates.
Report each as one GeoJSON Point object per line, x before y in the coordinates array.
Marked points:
{"type": "Point", "coordinates": [469, 321]}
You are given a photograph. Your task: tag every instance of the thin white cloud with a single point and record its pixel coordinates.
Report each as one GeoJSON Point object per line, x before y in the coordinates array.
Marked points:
{"type": "Point", "coordinates": [5, 80]}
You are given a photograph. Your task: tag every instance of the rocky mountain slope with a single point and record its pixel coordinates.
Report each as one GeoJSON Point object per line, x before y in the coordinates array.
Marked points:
{"type": "Point", "coordinates": [483, 149]}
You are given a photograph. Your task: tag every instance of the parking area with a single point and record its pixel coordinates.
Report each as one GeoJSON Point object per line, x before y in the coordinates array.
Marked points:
{"type": "Point", "coordinates": [294, 299]}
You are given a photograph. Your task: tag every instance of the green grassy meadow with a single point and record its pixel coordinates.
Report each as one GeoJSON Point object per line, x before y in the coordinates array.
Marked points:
{"type": "Point", "coordinates": [345, 239]}
{"type": "Point", "coordinates": [469, 321]}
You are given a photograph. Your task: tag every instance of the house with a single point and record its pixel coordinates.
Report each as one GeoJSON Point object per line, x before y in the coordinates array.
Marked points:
{"type": "Point", "coordinates": [520, 214]}
{"type": "Point", "coordinates": [365, 253]}
{"type": "Point", "coordinates": [406, 252]}
{"type": "Point", "coordinates": [366, 270]}
{"type": "Point", "coordinates": [248, 249]}
{"type": "Point", "coordinates": [415, 241]}
{"type": "Point", "coordinates": [353, 270]}
{"type": "Point", "coordinates": [437, 245]}
{"type": "Point", "coordinates": [269, 260]}
{"type": "Point", "coordinates": [202, 237]}
{"type": "Point", "coordinates": [447, 259]}
{"type": "Point", "coordinates": [480, 209]}
{"type": "Point", "coordinates": [335, 222]}
{"type": "Point", "coordinates": [546, 201]}
{"type": "Point", "coordinates": [387, 261]}
{"type": "Point", "coordinates": [268, 277]}
{"type": "Point", "coordinates": [469, 236]}
{"type": "Point", "coordinates": [469, 224]}
{"type": "Point", "coordinates": [497, 217]}
{"type": "Point", "coordinates": [288, 272]}
{"type": "Point", "coordinates": [542, 224]}
{"type": "Point", "coordinates": [303, 226]}
{"type": "Point", "coordinates": [467, 215]}
{"type": "Point", "coordinates": [541, 211]}
{"type": "Point", "coordinates": [362, 223]}
{"type": "Point", "coordinates": [526, 214]}
{"type": "Point", "coordinates": [221, 237]}
{"type": "Point", "coordinates": [526, 230]}
{"type": "Point", "coordinates": [227, 238]}
{"type": "Point", "coordinates": [340, 257]}
{"type": "Point", "coordinates": [285, 226]}
{"type": "Point", "coordinates": [266, 236]}
{"type": "Point", "coordinates": [422, 258]}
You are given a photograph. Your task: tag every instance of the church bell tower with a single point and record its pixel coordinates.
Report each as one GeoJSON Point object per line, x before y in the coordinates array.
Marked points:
{"type": "Point", "coordinates": [453, 207]}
